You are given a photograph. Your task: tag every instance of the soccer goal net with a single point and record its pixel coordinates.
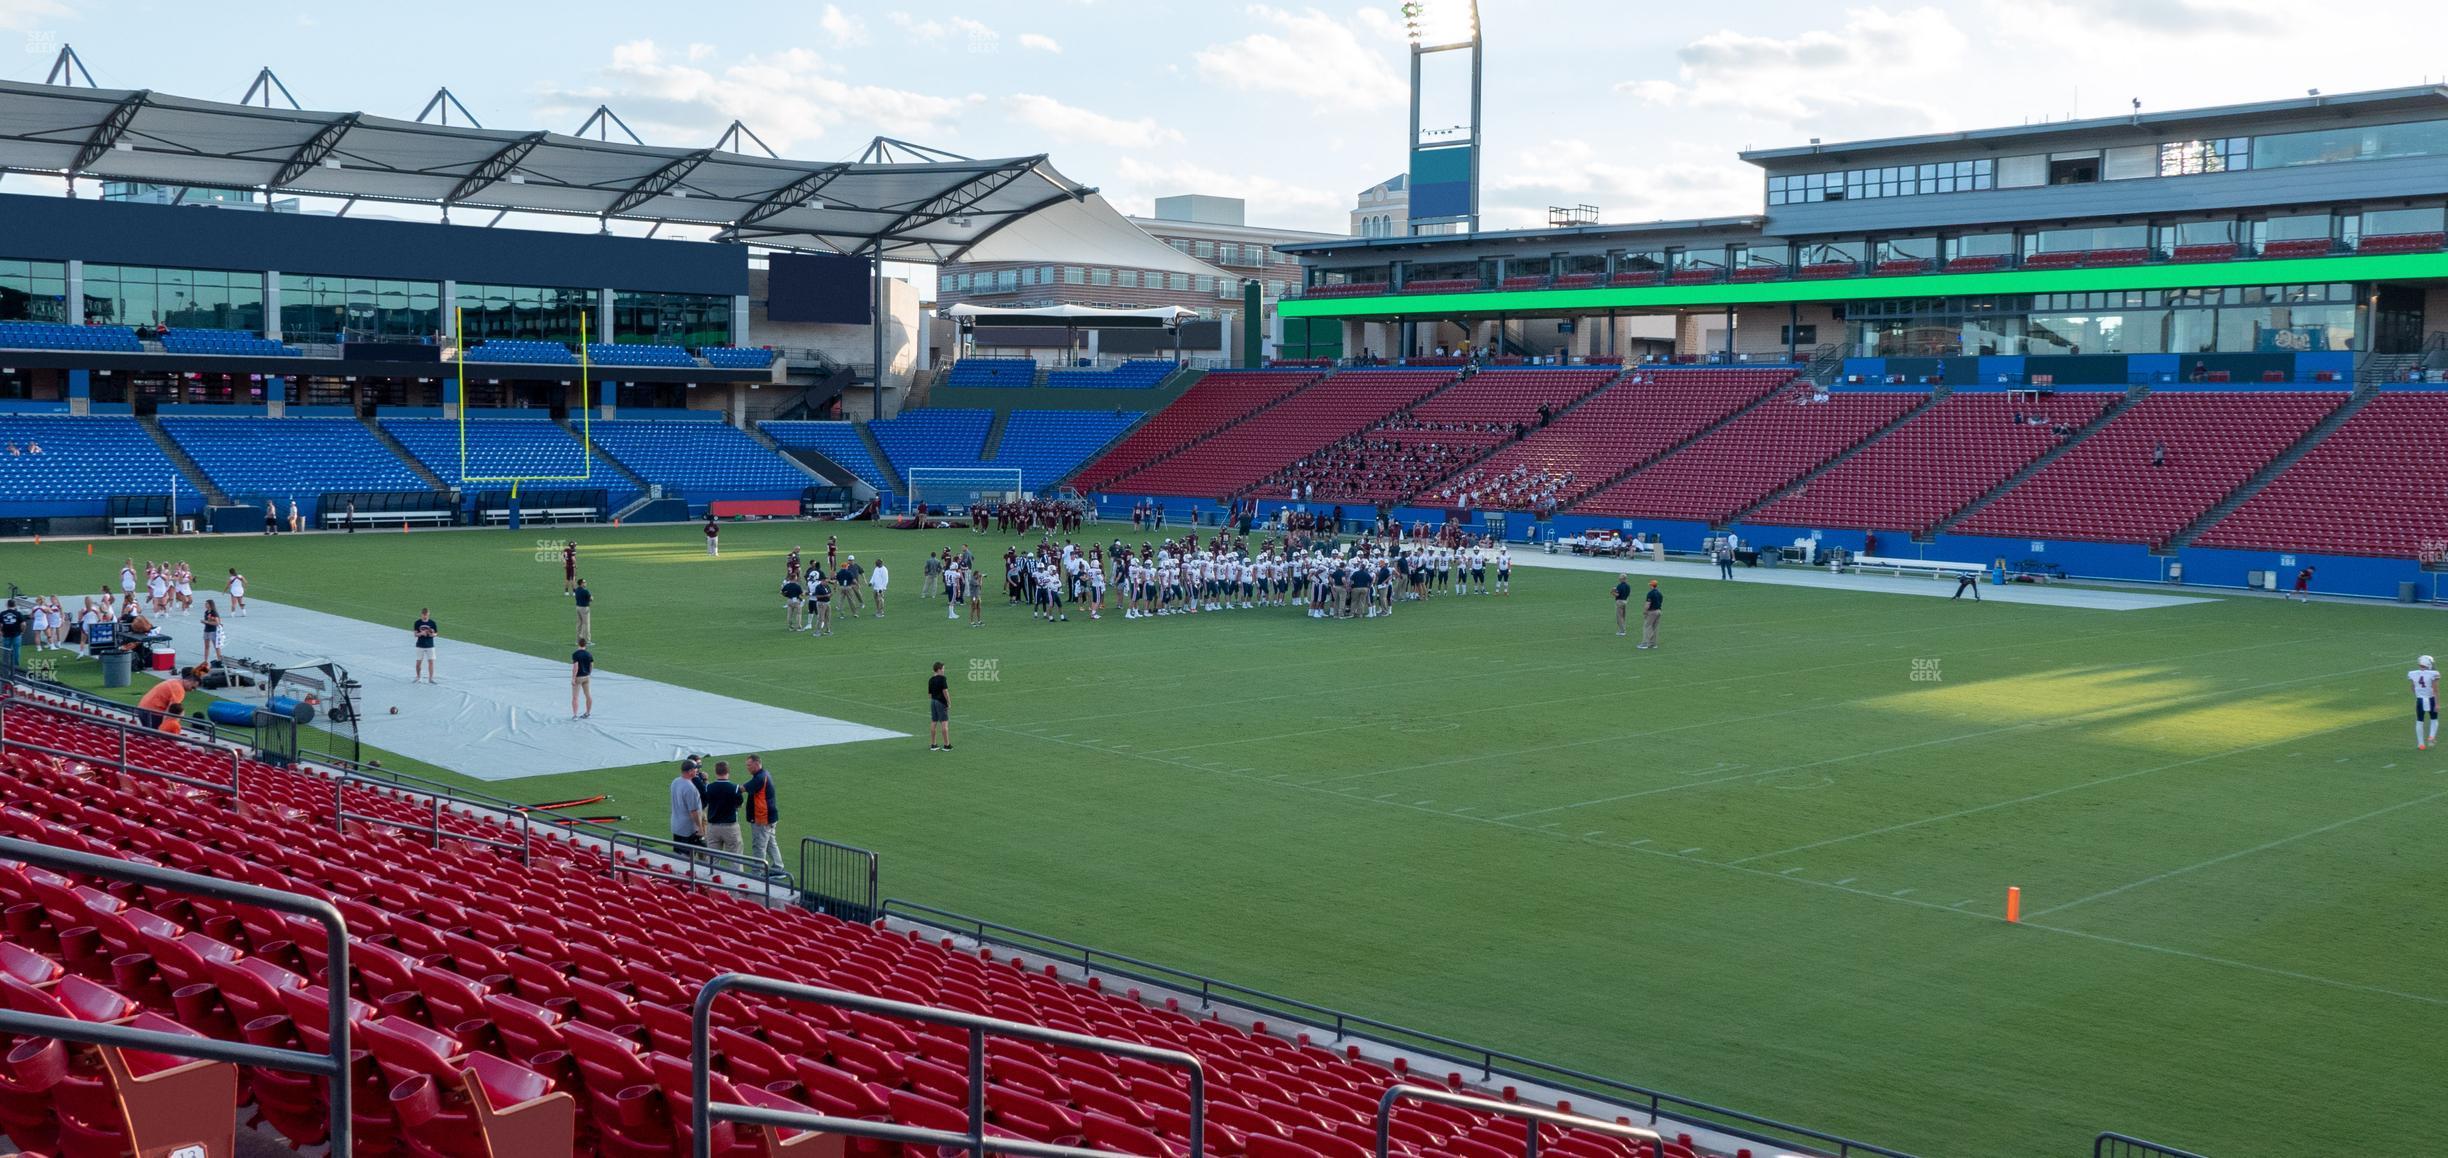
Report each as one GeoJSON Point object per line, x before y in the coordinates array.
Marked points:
{"type": "Point", "coordinates": [955, 488]}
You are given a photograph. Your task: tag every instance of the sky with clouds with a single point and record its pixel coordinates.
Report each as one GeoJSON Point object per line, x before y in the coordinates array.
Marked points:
{"type": "Point", "coordinates": [1635, 106]}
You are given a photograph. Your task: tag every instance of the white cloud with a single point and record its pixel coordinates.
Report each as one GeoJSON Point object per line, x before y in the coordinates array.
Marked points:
{"type": "Point", "coordinates": [789, 96]}
{"type": "Point", "coordinates": [1040, 42]}
{"type": "Point", "coordinates": [1877, 74]}
{"type": "Point", "coordinates": [1313, 56]}
{"type": "Point", "coordinates": [29, 15]}
{"type": "Point", "coordinates": [844, 28]}
{"type": "Point", "coordinates": [1065, 123]}
{"type": "Point", "coordinates": [1660, 182]}
{"type": "Point", "coordinates": [1276, 202]}
{"type": "Point", "coordinates": [932, 30]}
{"type": "Point", "coordinates": [698, 52]}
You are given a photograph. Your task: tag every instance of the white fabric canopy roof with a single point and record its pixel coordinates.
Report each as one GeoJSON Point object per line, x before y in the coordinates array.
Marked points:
{"type": "Point", "coordinates": [930, 211]}
{"type": "Point", "coordinates": [1068, 313]}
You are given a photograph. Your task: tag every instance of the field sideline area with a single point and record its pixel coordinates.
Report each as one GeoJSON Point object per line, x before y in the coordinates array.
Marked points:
{"type": "Point", "coordinates": [1763, 866]}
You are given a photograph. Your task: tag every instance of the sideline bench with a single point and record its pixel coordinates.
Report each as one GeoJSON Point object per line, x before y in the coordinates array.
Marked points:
{"type": "Point", "coordinates": [554, 516]}
{"type": "Point", "coordinates": [1936, 568]}
{"type": "Point", "coordinates": [369, 520]}
{"type": "Point", "coordinates": [139, 525]}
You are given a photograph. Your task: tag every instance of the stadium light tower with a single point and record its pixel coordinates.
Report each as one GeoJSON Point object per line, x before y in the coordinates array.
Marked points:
{"type": "Point", "coordinates": [1444, 159]}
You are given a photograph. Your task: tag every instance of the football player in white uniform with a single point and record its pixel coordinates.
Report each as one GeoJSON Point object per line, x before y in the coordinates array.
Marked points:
{"type": "Point", "coordinates": [2425, 678]}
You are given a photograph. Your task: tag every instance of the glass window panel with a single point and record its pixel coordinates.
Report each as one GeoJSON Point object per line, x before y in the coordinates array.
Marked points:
{"type": "Point", "coordinates": [2364, 143]}
{"type": "Point", "coordinates": [2427, 219]}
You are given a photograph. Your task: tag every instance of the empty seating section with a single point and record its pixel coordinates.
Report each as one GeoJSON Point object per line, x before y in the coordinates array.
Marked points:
{"type": "Point", "coordinates": [1135, 374]}
{"type": "Point", "coordinates": [1441, 285]}
{"type": "Point", "coordinates": [1977, 263]}
{"type": "Point", "coordinates": [496, 448]}
{"type": "Point", "coordinates": [522, 352]}
{"type": "Point", "coordinates": [699, 459]}
{"type": "Point", "coordinates": [2373, 486]}
{"type": "Point", "coordinates": [2401, 242]}
{"type": "Point", "coordinates": [1821, 269]}
{"type": "Point", "coordinates": [2106, 488]}
{"type": "Point", "coordinates": [1747, 459]}
{"type": "Point", "coordinates": [54, 336]}
{"type": "Point", "coordinates": [993, 372]}
{"type": "Point", "coordinates": [628, 354]}
{"type": "Point", "coordinates": [1351, 289]}
{"type": "Point", "coordinates": [1916, 475]}
{"type": "Point", "coordinates": [82, 459]}
{"type": "Point", "coordinates": [1211, 402]}
{"type": "Point", "coordinates": [1233, 458]}
{"type": "Point", "coordinates": [2205, 251]}
{"type": "Point", "coordinates": [562, 977]}
{"type": "Point", "coordinates": [291, 456]}
{"type": "Point", "coordinates": [1630, 422]}
{"type": "Point", "coordinates": [1046, 445]}
{"type": "Point", "coordinates": [224, 343]}
{"type": "Point", "coordinates": [946, 437]}
{"type": "Point", "coordinates": [738, 357]}
{"type": "Point", "coordinates": [836, 441]}
{"type": "Point", "coordinates": [1501, 398]}
{"type": "Point", "coordinates": [2298, 247]}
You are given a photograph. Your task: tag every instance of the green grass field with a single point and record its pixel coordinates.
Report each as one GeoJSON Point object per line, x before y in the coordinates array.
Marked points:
{"type": "Point", "coordinates": [1763, 866]}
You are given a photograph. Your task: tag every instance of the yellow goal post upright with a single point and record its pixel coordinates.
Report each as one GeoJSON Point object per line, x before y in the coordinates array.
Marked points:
{"type": "Point", "coordinates": [586, 419]}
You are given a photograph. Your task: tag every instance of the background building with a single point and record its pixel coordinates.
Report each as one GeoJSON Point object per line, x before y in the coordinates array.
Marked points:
{"type": "Point", "coordinates": [1384, 210]}
{"type": "Point", "coordinates": [1211, 229]}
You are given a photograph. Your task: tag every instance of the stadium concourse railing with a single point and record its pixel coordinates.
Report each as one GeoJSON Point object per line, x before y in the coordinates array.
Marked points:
{"type": "Point", "coordinates": [331, 1064]}
{"type": "Point", "coordinates": [704, 1111]}
{"type": "Point", "coordinates": [652, 857]}
{"type": "Point", "coordinates": [838, 880]}
{"type": "Point", "coordinates": [2111, 1144]}
{"type": "Point", "coordinates": [1532, 1116]}
{"type": "Point", "coordinates": [1492, 1064]}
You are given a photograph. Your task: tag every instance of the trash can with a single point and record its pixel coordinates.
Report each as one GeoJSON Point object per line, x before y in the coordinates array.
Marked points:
{"type": "Point", "coordinates": [117, 669]}
{"type": "Point", "coordinates": [2408, 592]}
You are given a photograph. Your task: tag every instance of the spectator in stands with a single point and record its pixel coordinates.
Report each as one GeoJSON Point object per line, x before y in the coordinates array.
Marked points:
{"type": "Point", "coordinates": [36, 447]}
{"type": "Point", "coordinates": [687, 806]}
{"type": "Point", "coordinates": [2201, 370]}
{"type": "Point", "coordinates": [722, 800]}
{"type": "Point", "coordinates": [584, 600]}
{"type": "Point", "coordinates": [160, 707]}
{"type": "Point", "coordinates": [582, 675]}
{"type": "Point", "coordinates": [763, 813]}
{"type": "Point", "coordinates": [2158, 454]}
{"type": "Point", "coordinates": [939, 706]}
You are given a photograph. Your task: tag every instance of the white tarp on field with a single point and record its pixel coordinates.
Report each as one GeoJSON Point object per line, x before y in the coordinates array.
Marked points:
{"type": "Point", "coordinates": [501, 715]}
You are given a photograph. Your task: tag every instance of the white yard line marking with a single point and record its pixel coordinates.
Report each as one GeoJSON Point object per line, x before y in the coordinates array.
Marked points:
{"type": "Point", "coordinates": [2264, 847]}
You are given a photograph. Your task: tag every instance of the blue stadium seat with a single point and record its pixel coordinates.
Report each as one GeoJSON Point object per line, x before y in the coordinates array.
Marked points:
{"type": "Point", "coordinates": [838, 441]}
{"type": "Point", "coordinates": [1046, 445]}
{"type": "Point", "coordinates": [738, 357]}
{"type": "Point", "coordinates": [290, 456]}
{"type": "Point", "coordinates": [993, 372]}
{"type": "Point", "coordinates": [82, 459]}
{"type": "Point", "coordinates": [226, 343]}
{"type": "Point", "coordinates": [1136, 374]}
{"type": "Point", "coordinates": [521, 351]}
{"type": "Point", "coordinates": [496, 448]}
{"type": "Point", "coordinates": [625, 354]}
{"type": "Point", "coordinates": [948, 437]}
{"type": "Point", "coordinates": [701, 459]}
{"type": "Point", "coordinates": [55, 336]}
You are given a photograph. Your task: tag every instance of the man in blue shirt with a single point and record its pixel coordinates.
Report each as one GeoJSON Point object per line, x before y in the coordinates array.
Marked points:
{"type": "Point", "coordinates": [582, 674]}
{"type": "Point", "coordinates": [585, 601]}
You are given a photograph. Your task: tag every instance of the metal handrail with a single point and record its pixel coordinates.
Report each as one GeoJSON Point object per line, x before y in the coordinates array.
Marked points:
{"type": "Point", "coordinates": [2128, 1144]}
{"type": "Point", "coordinates": [703, 1112]}
{"type": "Point", "coordinates": [332, 1064]}
{"type": "Point", "coordinates": [1490, 1063]}
{"type": "Point", "coordinates": [867, 908]}
{"type": "Point", "coordinates": [758, 876]}
{"type": "Point", "coordinates": [1532, 1114]}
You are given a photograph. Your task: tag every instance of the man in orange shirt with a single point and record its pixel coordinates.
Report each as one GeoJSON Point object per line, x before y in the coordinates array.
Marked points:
{"type": "Point", "coordinates": [160, 708]}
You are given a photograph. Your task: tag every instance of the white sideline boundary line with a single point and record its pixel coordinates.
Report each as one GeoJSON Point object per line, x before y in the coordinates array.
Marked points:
{"type": "Point", "coordinates": [1796, 575]}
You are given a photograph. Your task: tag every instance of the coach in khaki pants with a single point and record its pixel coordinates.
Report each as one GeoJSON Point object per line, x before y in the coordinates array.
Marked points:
{"type": "Point", "coordinates": [1656, 602]}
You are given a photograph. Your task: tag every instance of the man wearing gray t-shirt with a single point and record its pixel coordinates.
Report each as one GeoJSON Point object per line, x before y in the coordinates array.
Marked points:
{"type": "Point", "coordinates": [687, 806]}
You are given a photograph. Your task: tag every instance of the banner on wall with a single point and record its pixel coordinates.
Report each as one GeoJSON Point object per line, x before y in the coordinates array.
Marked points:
{"type": "Point", "coordinates": [2292, 339]}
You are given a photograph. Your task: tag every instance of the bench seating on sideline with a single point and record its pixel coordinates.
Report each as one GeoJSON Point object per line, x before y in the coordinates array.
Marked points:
{"type": "Point", "coordinates": [372, 520]}
{"type": "Point", "coordinates": [1938, 568]}
{"type": "Point", "coordinates": [139, 525]}
{"type": "Point", "coordinates": [552, 515]}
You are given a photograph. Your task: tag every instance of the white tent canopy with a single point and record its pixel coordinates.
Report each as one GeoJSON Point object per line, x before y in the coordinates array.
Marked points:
{"type": "Point", "coordinates": [1074, 315]}
{"type": "Point", "coordinates": [930, 211]}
